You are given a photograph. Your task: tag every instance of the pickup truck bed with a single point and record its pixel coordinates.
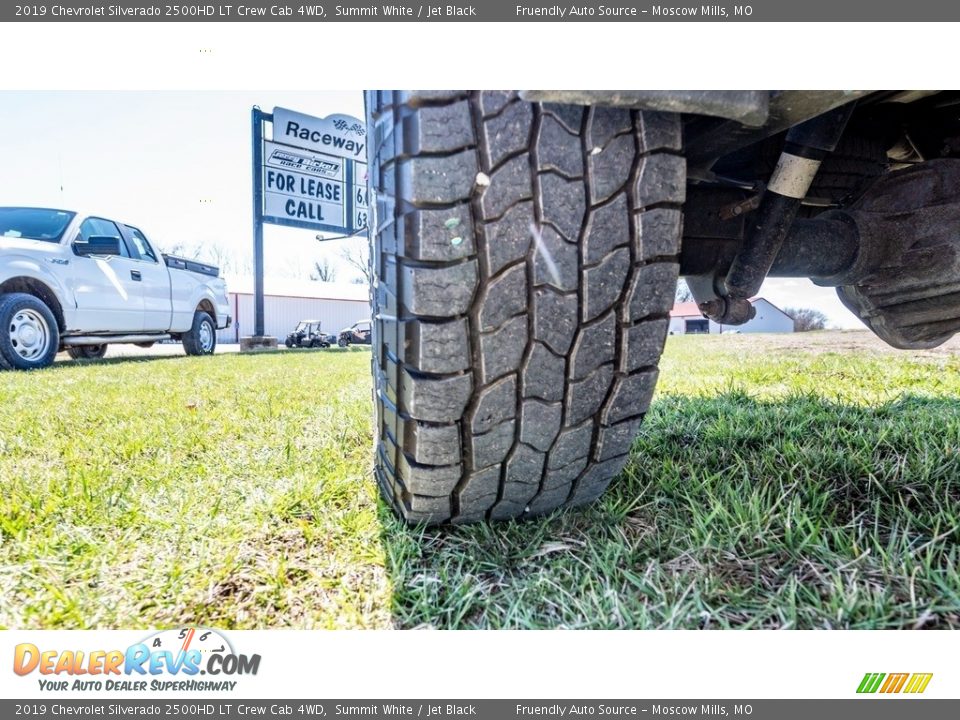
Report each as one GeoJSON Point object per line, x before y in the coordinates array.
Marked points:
{"type": "Point", "coordinates": [180, 263]}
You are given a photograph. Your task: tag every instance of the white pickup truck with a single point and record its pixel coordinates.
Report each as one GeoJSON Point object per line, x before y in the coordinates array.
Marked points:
{"type": "Point", "coordinates": [77, 282]}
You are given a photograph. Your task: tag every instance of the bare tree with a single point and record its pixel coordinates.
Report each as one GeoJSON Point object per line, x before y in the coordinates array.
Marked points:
{"type": "Point", "coordinates": [683, 292]}
{"type": "Point", "coordinates": [234, 263]}
{"type": "Point", "coordinates": [217, 255]}
{"type": "Point", "coordinates": [323, 271]}
{"type": "Point", "coordinates": [806, 319]}
{"type": "Point", "coordinates": [212, 252]}
{"type": "Point", "coordinates": [177, 248]}
{"type": "Point", "coordinates": [357, 256]}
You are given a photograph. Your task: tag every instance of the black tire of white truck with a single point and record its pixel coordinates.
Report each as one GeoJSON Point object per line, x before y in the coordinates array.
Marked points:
{"type": "Point", "coordinates": [30, 336]}
{"type": "Point", "coordinates": [201, 339]}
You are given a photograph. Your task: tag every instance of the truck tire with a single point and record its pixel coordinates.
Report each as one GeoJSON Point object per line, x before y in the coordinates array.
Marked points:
{"type": "Point", "coordinates": [525, 261]}
{"type": "Point", "coordinates": [201, 339]}
{"type": "Point", "coordinates": [30, 336]}
{"type": "Point", "coordinates": [87, 352]}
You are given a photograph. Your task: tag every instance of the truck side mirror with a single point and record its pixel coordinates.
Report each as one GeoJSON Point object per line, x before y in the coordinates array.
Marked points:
{"type": "Point", "coordinates": [97, 245]}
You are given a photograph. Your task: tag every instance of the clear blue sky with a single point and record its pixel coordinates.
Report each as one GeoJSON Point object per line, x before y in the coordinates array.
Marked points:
{"type": "Point", "coordinates": [177, 164]}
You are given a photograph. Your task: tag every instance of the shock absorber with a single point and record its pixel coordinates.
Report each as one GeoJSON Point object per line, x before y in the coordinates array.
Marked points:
{"type": "Point", "coordinates": [807, 144]}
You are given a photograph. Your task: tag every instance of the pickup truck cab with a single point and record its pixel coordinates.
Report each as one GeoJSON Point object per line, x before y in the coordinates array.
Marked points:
{"type": "Point", "coordinates": [75, 281]}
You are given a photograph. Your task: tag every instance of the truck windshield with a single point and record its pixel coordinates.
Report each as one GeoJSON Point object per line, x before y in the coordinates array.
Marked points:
{"type": "Point", "coordinates": [34, 223]}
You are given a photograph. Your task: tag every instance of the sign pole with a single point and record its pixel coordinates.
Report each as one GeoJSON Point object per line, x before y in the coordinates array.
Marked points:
{"type": "Point", "coordinates": [258, 340]}
{"type": "Point", "coordinates": [303, 177]}
{"type": "Point", "coordinates": [257, 222]}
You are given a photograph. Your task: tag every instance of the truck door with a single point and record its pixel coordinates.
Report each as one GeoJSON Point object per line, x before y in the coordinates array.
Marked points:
{"type": "Point", "coordinates": [157, 307]}
{"type": "Point", "coordinates": [108, 289]}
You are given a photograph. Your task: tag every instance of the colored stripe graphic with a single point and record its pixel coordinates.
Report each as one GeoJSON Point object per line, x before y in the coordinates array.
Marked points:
{"type": "Point", "coordinates": [918, 682]}
{"type": "Point", "coordinates": [893, 683]}
{"type": "Point", "coordinates": [870, 682]}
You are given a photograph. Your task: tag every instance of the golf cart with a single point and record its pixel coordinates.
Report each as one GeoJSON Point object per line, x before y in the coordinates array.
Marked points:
{"type": "Point", "coordinates": [307, 334]}
{"type": "Point", "coordinates": [356, 334]}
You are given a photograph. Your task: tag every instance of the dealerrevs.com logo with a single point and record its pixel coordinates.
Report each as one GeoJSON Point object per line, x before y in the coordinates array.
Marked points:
{"type": "Point", "coordinates": [168, 660]}
{"type": "Point", "coordinates": [888, 683]}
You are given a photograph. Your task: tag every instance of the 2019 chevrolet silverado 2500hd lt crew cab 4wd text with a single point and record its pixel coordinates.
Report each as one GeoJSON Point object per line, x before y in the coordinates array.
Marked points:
{"type": "Point", "coordinates": [77, 282]}
{"type": "Point", "coordinates": [526, 247]}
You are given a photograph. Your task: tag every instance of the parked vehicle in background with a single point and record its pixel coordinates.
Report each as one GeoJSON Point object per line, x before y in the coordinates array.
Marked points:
{"type": "Point", "coordinates": [307, 334]}
{"type": "Point", "coordinates": [356, 334]}
{"type": "Point", "coordinates": [78, 282]}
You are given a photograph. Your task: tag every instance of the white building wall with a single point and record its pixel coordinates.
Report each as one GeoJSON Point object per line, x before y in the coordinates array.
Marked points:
{"type": "Point", "coordinates": [678, 325]}
{"type": "Point", "coordinates": [281, 315]}
{"type": "Point", "coordinates": [769, 319]}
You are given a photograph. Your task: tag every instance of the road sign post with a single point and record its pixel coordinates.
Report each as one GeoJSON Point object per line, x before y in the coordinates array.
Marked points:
{"type": "Point", "coordinates": [257, 222]}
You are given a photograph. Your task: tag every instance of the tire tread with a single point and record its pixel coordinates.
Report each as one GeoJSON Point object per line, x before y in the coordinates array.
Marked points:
{"type": "Point", "coordinates": [525, 258]}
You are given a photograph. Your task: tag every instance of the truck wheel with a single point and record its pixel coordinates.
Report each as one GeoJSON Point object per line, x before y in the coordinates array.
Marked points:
{"type": "Point", "coordinates": [288, 342]}
{"type": "Point", "coordinates": [525, 259]}
{"type": "Point", "coordinates": [87, 352]}
{"type": "Point", "coordinates": [30, 337]}
{"type": "Point", "coordinates": [343, 342]}
{"type": "Point", "coordinates": [201, 339]}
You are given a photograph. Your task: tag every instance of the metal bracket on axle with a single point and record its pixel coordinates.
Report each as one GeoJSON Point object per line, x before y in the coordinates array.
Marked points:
{"type": "Point", "coordinates": [894, 256]}
{"type": "Point", "coordinates": [807, 144]}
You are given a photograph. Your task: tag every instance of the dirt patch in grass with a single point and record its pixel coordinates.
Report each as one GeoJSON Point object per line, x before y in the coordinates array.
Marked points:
{"type": "Point", "coordinates": [823, 341]}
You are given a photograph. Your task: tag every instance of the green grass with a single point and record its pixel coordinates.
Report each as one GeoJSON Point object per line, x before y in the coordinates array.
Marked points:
{"type": "Point", "coordinates": [229, 491]}
{"type": "Point", "coordinates": [776, 483]}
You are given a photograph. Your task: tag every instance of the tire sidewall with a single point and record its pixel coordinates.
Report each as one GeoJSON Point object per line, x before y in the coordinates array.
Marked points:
{"type": "Point", "coordinates": [191, 342]}
{"type": "Point", "coordinates": [199, 322]}
{"type": "Point", "coordinates": [9, 306]}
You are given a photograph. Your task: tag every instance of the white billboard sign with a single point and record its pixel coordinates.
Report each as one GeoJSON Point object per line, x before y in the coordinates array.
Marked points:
{"type": "Point", "coordinates": [339, 135]}
{"type": "Point", "coordinates": [303, 186]}
{"type": "Point", "coordinates": [312, 173]}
